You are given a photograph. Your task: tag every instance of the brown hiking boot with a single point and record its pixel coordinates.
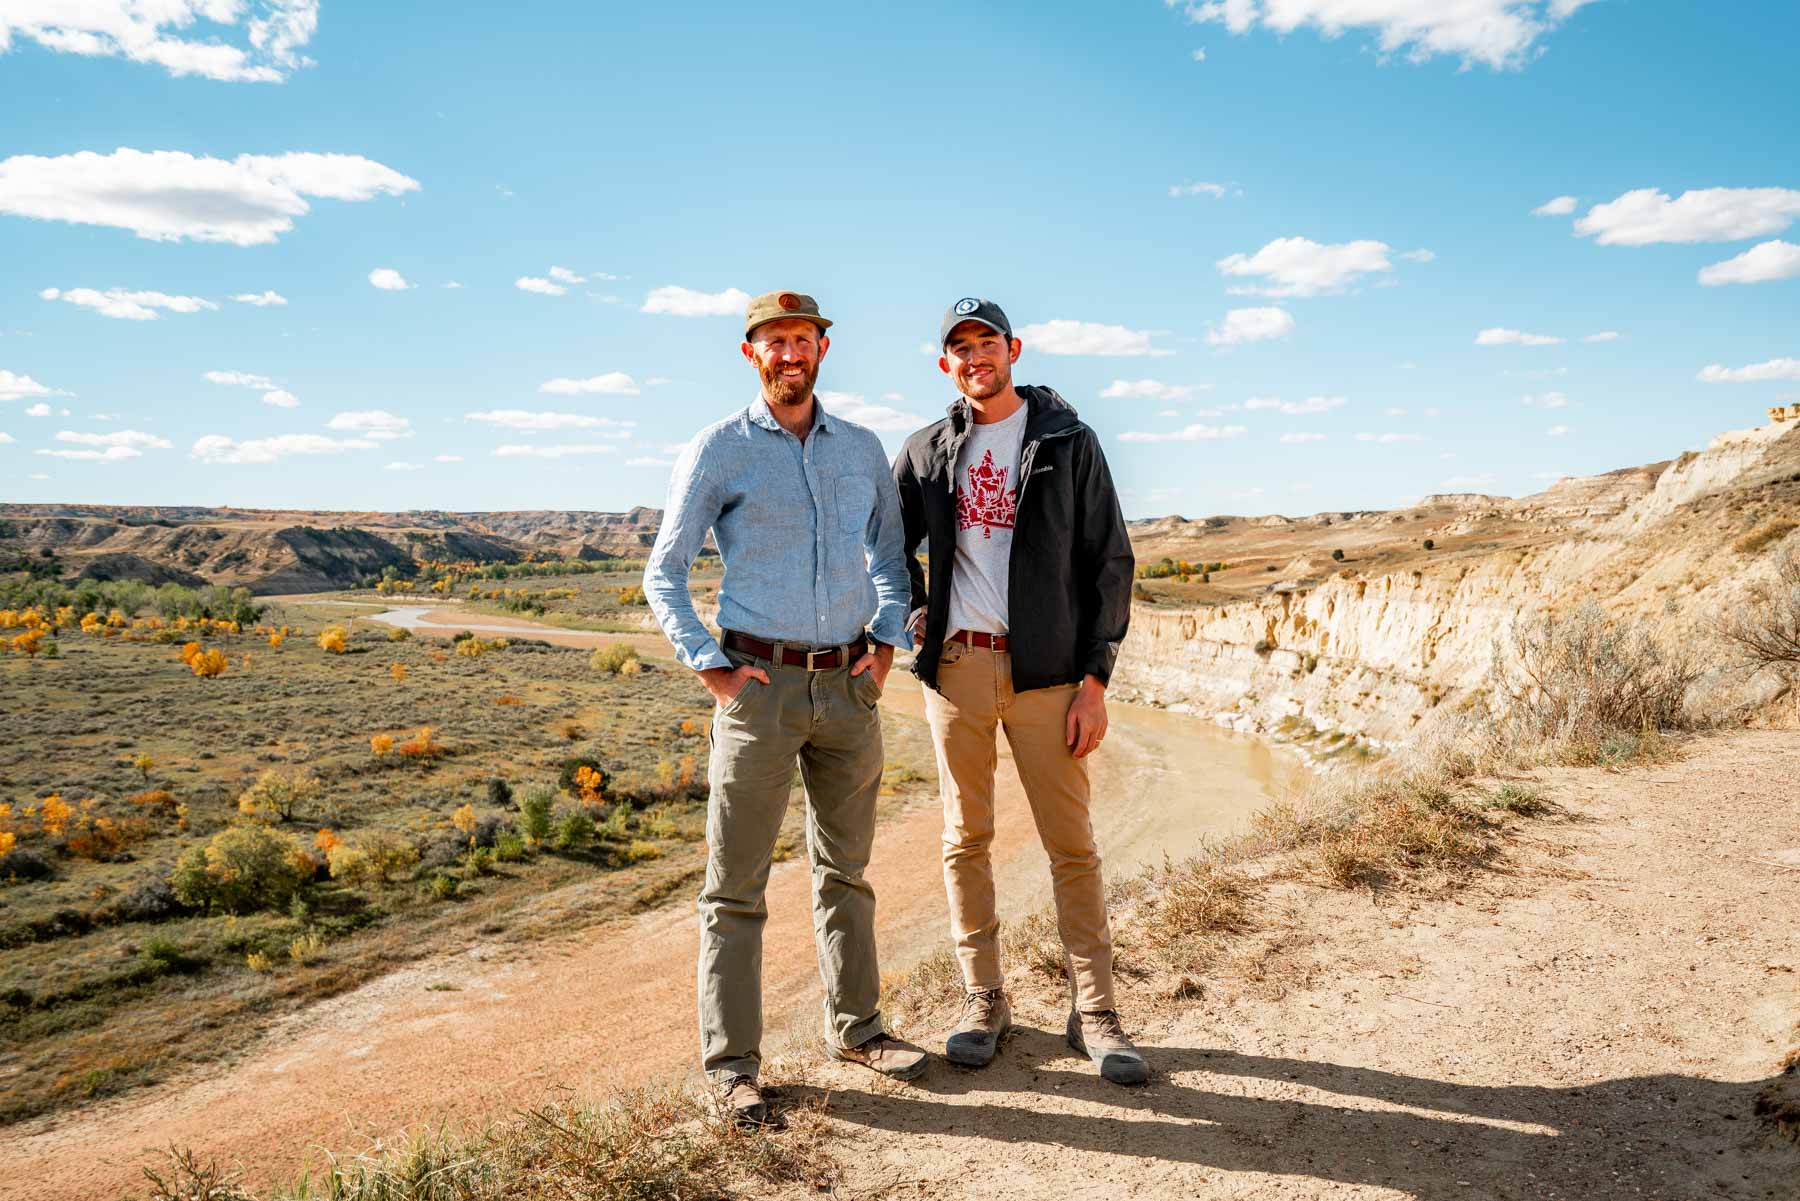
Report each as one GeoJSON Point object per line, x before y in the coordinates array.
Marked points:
{"type": "Point", "coordinates": [1101, 1038]}
{"type": "Point", "coordinates": [985, 1017]}
{"type": "Point", "coordinates": [886, 1054]}
{"type": "Point", "coordinates": [744, 1101]}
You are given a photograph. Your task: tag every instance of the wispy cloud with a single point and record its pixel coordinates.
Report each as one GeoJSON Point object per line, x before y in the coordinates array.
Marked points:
{"type": "Point", "coordinates": [152, 33]}
{"type": "Point", "coordinates": [521, 419]}
{"type": "Point", "coordinates": [217, 448]}
{"type": "Point", "coordinates": [106, 448]}
{"type": "Point", "coordinates": [1303, 436]}
{"type": "Point", "coordinates": [17, 387]}
{"type": "Point", "coordinates": [168, 195]}
{"type": "Point", "coordinates": [1295, 408]}
{"type": "Point", "coordinates": [1388, 438]}
{"type": "Point", "coordinates": [1547, 400]}
{"type": "Point", "coordinates": [1755, 373]}
{"type": "Point", "coordinates": [1498, 336]}
{"type": "Point", "coordinates": [272, 393]}
{"type": "Point", "coordinates": [1560, 206]}
{"type": "Point", "coordinates": [1215, 190]}
{"type": "Point", "coordinates": [1647, 216]}
{"type": "Point", "coordinates": [1192, 433]}
{"type": "Point", "coordinates": [1149, 389]}
{"type": "Point", "coordinates": [882, 419]}
{"type": "Point", "coordinates": [261, 300]}
{"type": "Point", "coordinates": [613, 383]}
{"type": "Point", "coordinates": [1063, 336]}
{"type": "Point", "coordinates": [1251, 325]}
{"type": "Point", "coordinates": [1605, 335]}
{"type": "Point", "coordinates": [372, 423]}
{"type": "Point", "coordinates": [560, 450]}
{"type": "Point", "coordinates": [127, 306]}
{"type": "Point", "coordinates": [674, 301]}
{"type": "Point", "coordinates": [1302, 267]}
{"type": "Point", "coordinates": [398, 465]}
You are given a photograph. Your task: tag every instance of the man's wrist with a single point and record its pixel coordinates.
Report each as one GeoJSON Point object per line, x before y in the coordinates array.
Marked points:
{"type": "Point", "coordinates": [1093, 683]}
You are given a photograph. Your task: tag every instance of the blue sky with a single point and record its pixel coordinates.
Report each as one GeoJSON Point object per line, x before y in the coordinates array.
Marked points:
{"type": "Point", "coordinates": [1361, 197]}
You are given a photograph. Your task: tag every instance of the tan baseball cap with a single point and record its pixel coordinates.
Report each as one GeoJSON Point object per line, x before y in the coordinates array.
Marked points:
{"type": "Point", "coordinates": [776, 306]}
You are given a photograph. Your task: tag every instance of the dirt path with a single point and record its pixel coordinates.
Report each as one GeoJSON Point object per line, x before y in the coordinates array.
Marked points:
{"type": "Point", "coordinates": [1592, 1024]}
{"type": "Point", "coordinates": [479, 1034]}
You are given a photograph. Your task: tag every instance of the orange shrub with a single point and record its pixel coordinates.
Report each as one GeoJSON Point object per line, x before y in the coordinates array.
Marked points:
{"type": "Point", "coordinates": [276, 638]}
{"type": "Point", "coordinates": [30, 642]}
{"type": "Point", "coordinates": [421, 746]}
{"type": "Point", "coordinates": [208, 664]}
{"type": "Point", "coordinates": [56, 813]}
{"type": "Point", "coordinates": [398, 671]}
{"type": "Point", "coordinates": [155, 798]}
{"type": "Point", "coordinates": [107, 836]}
{"type": "Point", "coordinates": [381, 744]}
{"type": "Point", "coordinates": [508, 699]}
{"type": "Point", "coordinates": [325, 840]}
{"type": "Point", "coordinates": [7, 839]}
{"type": "Point", "coordinates": [588, 783]}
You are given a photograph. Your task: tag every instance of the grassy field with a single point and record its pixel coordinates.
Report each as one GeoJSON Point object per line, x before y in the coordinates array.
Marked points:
{"type": "Point", "coordinates": [128, 952]}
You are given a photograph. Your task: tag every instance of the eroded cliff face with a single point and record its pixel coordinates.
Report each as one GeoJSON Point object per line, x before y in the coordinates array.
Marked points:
{"type": "Point", "coordinates": [1373, 656]}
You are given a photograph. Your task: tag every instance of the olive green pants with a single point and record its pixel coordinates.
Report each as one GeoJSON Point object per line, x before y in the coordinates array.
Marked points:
{"type": "Point", "coordinates": [974, 700]}
{"type": "Point", "coordinates": [826, 722]}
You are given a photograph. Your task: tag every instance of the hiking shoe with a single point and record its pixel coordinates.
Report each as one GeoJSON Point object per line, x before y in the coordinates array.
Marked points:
{"type": "Point", "coordinates": [986, 1016]}
{"type": "Point", "coordinates": [744, 1101]}
{"type": "Point", "coordinates": [1101, 1038]}
{"type": "Point", "coordinates": [886, 1054]}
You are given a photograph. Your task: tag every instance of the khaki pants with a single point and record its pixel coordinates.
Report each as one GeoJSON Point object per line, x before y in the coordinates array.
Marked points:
{"type": "Point", "coordinates": [974, 695]}
{"type": "Point", "coordinates": [825, 720]}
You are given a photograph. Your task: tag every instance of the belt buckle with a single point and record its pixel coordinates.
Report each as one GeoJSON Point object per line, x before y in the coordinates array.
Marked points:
{"type": "Point", "coordinates": [811, 655]}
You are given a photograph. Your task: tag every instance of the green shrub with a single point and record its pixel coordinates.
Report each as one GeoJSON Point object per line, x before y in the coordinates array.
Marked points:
{"type": "Point", "coordinates": [574, 830]}
{"type": "Point", "coordinates": [509, 848]}
{"type": "Point", "coordinates": [1429, 544]}
{"type": "Point", "coordinates": [612, 659]}
{"type": "Point", "coordinates": [242, 869]}
{"type": "Point", "coordinates": [534, 813]}
{"type": "Point", "coordinates": [399, 634]}
{"type": "Point", "coordinates": [373, 859]}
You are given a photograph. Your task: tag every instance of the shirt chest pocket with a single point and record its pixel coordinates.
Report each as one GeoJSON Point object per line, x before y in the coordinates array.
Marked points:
{"type": "Point", "coordinates": [854, 497]}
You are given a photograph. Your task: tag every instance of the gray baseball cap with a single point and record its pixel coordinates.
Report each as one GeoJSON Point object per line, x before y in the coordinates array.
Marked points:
{"type": "Point", "coordinates": [971, 308]}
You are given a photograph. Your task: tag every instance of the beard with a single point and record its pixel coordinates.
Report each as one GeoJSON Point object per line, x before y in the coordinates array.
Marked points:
{"type": "Point", "coordinates": [992, 387]}
{"type": "Point", "coordinates": [778, 391]}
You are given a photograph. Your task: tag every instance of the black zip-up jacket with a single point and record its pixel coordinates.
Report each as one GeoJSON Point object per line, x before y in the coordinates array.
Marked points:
{"type": "Point", "coordinates": [1069, 577]}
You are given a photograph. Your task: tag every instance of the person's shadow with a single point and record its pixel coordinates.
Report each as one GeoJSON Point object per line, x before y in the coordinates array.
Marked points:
{"type": "Point", "coordinates": [1640, 1137]}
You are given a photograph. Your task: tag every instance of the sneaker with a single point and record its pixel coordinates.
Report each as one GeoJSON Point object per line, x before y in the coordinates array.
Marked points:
{"type": "Point", "coordinates": [986, 1016]}
{"type": "Point", "coordinates": [744, 1101]}
{"type": "Point", "coordinates": [1101, 1038]}
{"type": "Point", "coordinates": [886, 1054]}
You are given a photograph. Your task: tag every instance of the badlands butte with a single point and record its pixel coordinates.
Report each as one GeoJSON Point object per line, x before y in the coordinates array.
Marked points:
{"type": "Point", "coordinates": [1325, 628]}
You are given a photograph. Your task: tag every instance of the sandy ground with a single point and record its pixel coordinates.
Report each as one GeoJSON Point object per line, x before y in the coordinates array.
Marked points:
{"type": "Point", "coordinates": [494, 1028]}
{"type": "Point", "coordinates": [1593, 1023]}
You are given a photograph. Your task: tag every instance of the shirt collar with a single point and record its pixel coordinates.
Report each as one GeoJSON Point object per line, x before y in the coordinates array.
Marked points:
{"type": "Point", "coordinates": [759, 413]}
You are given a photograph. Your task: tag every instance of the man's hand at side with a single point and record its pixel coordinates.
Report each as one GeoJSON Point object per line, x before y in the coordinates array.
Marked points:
{"type": "Point", "coordinates": [1086, 724]}
{"type": "Point", "coordinates": [879, 662]}
{"type": "Point", "coordinates": [726, 682]}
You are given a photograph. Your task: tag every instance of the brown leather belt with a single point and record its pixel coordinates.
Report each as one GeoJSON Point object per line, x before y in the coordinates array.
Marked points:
{"type": "Point", "coordinates": [987, 642]}
{"type": "Point", "coordinates": [820, 659]}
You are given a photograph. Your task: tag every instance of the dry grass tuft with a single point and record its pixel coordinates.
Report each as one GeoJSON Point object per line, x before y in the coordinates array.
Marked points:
{"type": "Point", "coordinates": [1188, 906]}
{"type": "Point", "coordinates": [1773, 530]}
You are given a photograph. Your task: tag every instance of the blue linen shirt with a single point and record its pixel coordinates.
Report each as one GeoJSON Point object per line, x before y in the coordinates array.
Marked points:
{"type": "Point", "coordinates": [810, 533]}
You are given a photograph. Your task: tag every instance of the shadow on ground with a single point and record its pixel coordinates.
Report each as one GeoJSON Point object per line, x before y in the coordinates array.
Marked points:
{"type": "Point", "coordinates": [1649, 1136]}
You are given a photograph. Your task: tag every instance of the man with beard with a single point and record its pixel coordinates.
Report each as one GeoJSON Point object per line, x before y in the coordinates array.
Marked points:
{"type": "Point", "coordinates": [1028, 600]}
{"type": "Point", "coordinates": [808, 525]}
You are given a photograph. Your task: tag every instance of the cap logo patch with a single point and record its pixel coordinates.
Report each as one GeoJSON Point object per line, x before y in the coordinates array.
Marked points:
{"type": "Point", "coordinates": [966, 305]}
{"type": "Point", "coordinates": [788, 301]}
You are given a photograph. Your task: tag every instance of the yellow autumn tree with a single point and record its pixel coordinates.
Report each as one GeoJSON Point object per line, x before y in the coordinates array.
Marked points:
{"type": "Point", "coordinates": [333, 640]}
{"type": "Point", "coordinates": [381, 744]}
{"type": "Point", "coordinates": [398, 671]}
{"type": "Point", "coordinates": [208, 664]}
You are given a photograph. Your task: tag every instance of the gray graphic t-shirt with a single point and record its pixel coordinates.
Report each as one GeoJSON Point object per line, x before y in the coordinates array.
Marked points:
{"type": "Point", "coordinates": [987, 492]}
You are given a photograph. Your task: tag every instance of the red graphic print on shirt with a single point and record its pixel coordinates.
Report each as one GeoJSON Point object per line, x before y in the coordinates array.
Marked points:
{"type": "Point", "coordinates": [986, 501]}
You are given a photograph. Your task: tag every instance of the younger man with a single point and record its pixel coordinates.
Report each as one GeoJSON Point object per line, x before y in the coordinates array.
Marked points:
{"type": "Point", "coordinates": [1029, 597]}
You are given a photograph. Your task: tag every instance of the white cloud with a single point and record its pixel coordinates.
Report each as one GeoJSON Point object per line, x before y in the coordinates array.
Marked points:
{"type": "Point", "coordinates": [372, 423]}
{"type": "Point", "coordinates": [1303, 267]}
{"type": "Point", "coordinates": [1303, 437]}
{"type": "Point", "coordinates": [685, 302]}
{"type": "Point", "coordinates": [1146, 389]}
{"type": "Point", "coordinates": [612, 383]}
{"type": "Point", "coordinates": [37, 410]}
{"type": "Point", "coordinates": [1420, 255]}
{"type": "Point", "coordinates": [216, 448]}
{"type": "Point", "coordinates": [6, 439]}
{"type": "Point", "coordinates": [127, 306]}
{"type": "Point", "coordinates": [168, 195]}
{"type": "Point", "coordinates": [1192, 433]}
{"type": "Point", "coordinates": [1295, 408]}
{"type": "Point", "coordinates": [656, 381]}
{"type": "Point", "coordinates": [17, 387]}
{"type": "Point", "coordinates": [388, 280]}
{"type": "Point", "coordinates": [238, 379]}
{"type": "Point", "coordinates": [1557, 431]}
{"type": "Point", "coordinates": [1199, 56]}
{"type": "Point", "coordinates": [281, 398]}
{"type": "Point", "coordinates": [1646, 216]}
{"type": "Point", "coordinates": [564, 275]}
{"type": "Point", "coordinates": [1063, 336]}
{"type": "Point", "coordinates": [1560, 206]}
{"type": "Point", "coordinates": [453, 285]}
{"type": "Point", "coordinates": [1756, 373]}
{"type": "Point", "coordinates": [558, 451]}
{"type": "Point", "coordinates": [520, 419]}
{"type": "Point", "coordinates": [397, 465]}
{"type": "Point", "coordinates": [1605, 335]}
{"type": "Point", "coordinates": [1251, 325]}
{"type": "Point", "coordinates": [1390, 438]}
{"type": "Point", "coordinates": [1549, 400]}
{"type": "Point", "coordinates": [106, 448]}
{"type": "Point", "coordinates": [1760, 264]}
{"type": "Point", "coordinates": [1497, 336]}
{"type": "Point", "coordinates": [261, 300]}
{"type": "Point", "coordinates": [543, 287]}
{"type": "Point", "coordinates": [880, 418]}
{"type": "Point", "coordinates": [1501, 34]}
{"type": "Point", "coordinates": [152, 33]}
{"type": "Point", "coordinates": [446, 458]}
{"type": "Point", "coordinates": [1215, 190]}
